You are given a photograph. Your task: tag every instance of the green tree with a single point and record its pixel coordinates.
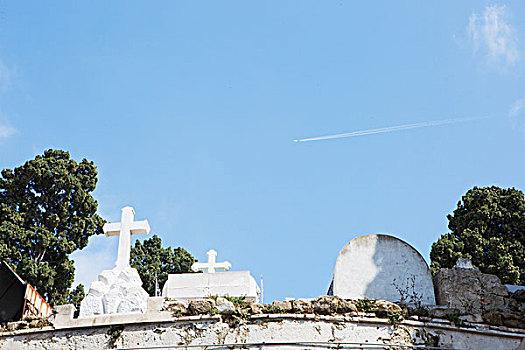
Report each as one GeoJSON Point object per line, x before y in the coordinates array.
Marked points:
{"type": "Point", "coordinates": [46, 213]}
{"type": "Point", "coordinates": [149, 258]}
{"type": "Point", "coordinates": [75, 296]}
{"type": "Point", "coordinates": [488, 226]}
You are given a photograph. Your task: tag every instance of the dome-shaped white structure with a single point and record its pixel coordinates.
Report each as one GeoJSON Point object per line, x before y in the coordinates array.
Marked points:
{"type": "Point", "coordinates": [382, 267]}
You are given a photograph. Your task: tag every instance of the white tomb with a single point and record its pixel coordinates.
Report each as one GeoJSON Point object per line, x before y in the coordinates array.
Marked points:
{"type": "Point", "coordinates": [382, 267]}
{"type": "Point", "coordinates": [118, 290]}
{"type": "Point", "coordinates": [188, 286]}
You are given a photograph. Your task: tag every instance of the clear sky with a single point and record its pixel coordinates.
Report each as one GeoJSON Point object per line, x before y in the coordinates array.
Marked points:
{"type": "Point", "coordinates": [190, 109]}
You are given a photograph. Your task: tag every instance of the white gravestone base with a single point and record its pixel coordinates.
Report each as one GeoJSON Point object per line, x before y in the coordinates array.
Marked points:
{"type": "Point", "coordinates": [116, 291]}
{"type": "Point", "coordinates": [188, 286]}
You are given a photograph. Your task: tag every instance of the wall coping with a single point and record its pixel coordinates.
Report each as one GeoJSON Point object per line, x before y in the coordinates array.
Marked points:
{"type": "Point", "coordinates": [138, 319]}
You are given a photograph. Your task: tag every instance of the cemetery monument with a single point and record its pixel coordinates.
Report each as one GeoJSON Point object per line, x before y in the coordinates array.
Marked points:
{"type": "Point", "coordinates": [382, 267]}
{"type": "Point", "coordinates": [118, 290]}
{"type": "Point", "coordinates": [190, 286]}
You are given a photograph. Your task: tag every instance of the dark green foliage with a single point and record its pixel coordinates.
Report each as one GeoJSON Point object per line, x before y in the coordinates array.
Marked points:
{"type": "Point", "coordinates": [75, 297]}
{"type": "Point", "coordinates": [271, 309]}
{"type": "Point", "coordinates": [46, 213]}
{"type": "Point", "coordinates": [149, 258]}
{"type": "Point", "coordinates": [238, 302]}
{"type": "Point", "coordinates": [454, 318]}
{"type": "Point", "coordinates": [365, 304]}
{"type": "Point", "coordinates": [114, 333]}
{"type": "Point", "coordinates": [394, 318]}
{"type": "Point", "coordinates": [488, 226]}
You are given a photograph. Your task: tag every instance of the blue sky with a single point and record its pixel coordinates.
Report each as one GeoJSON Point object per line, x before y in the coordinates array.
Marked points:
{"type": "Point", "coordinates": [190, 109]}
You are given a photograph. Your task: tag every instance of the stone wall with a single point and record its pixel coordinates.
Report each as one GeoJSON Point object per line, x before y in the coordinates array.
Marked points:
{"type": "Point", "coordinates": [280, 329]}
{"type": "Point", "coordinates": [323, 320]}
{"type": "Point", "coordinates": [475, 312]}
{"type": "Point", "coordinates": [467, 291]}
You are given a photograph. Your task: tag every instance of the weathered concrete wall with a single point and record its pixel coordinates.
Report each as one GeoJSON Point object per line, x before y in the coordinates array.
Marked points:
{"type": "Point", "coordinates": [323, 319]}
{"type": "Point", "coordinates": [470, 291]}
{"type": "Point", "coordinates": [281, 328]}
{"type": "Point", "coordinates": [480, 295]}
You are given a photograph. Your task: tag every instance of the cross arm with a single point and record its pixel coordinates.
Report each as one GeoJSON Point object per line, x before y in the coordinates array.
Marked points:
{"type": "Point", "coordinates": [224, 266]}
{"type": "Point", "coordinates": [111, 229]}
{"type": "Point", "coordinates": [199, 266]}
{"type": "Point", "coordinates": [140, 227]}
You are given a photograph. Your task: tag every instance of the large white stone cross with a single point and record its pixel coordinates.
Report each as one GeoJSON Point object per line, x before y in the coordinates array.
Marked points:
{"type": "Point", "coordinates": [124, 229]}
{"type": "Point", "coordinates": [211, 265]}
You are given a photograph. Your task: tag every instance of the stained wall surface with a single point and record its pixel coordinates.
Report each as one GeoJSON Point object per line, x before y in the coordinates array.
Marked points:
{"type": "Point", "coordinates": [266, 332]}
{"type": "Point", "coordinates": [382, 267]}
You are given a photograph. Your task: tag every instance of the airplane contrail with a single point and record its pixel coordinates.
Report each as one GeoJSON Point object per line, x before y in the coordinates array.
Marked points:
{"type": "Point", "coordinates": [392, 128]}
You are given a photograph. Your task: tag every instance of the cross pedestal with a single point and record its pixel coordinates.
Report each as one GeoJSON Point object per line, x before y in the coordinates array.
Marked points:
{"type": "Point", "coordinates": [211, 265]}
{"type": "Point", "coordinates": [124, 229]}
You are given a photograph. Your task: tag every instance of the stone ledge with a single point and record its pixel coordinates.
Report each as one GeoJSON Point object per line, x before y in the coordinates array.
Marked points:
{"type": "Point", "coordinates": [100, 321]}
{"type": "Point", "coordinates": [113, 322]}
{"type": "Point", "coordinates": [162, 310]}
{"type": "Point", "coordinates": [289, 328]}
{"type": "Point", "coordinates": [27, 331]}
{"type": "Point", "coordinates": [130, 320]}
{"type": "Point", "coordinates": [434, 323]}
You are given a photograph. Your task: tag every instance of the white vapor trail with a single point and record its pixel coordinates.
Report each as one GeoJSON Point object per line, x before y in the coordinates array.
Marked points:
{"type": "Point", "coordinates": [391, 129]}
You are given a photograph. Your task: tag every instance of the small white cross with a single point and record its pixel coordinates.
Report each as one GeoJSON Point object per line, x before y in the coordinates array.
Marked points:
{"type": "Point", "coordinates": [211, 265]}
{"type": "Point", "coordinates": [124, 229]}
